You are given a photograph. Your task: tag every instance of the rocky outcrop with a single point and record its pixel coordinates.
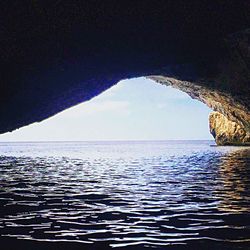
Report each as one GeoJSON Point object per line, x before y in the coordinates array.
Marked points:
{"type": "Point", "coordinates": [230, 125]}
{"type": "Point", "coordinates": [227, 132]}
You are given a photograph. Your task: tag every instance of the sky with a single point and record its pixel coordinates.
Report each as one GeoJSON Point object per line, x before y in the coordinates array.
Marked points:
{"type": "Point", "coordinates": [133, 109]}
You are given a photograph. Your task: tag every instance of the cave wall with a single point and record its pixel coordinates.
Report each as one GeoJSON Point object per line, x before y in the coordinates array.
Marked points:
{"type": "Point", "coordinates": [227, 92]}
{"type": "Point", "coordinates": [217, 100]}
{"type": "Point", "coordinates": [230, 123]}
{"type": "Point", "coordinates": [56, 54]}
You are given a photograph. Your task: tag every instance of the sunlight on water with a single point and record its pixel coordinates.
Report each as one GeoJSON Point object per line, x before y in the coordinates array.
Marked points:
{"type": "Point", "coordinates": [126, 194]}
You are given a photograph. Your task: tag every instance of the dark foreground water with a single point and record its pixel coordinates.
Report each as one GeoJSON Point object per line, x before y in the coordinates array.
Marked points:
{"type": "Point", "coordinates": [121, 195]}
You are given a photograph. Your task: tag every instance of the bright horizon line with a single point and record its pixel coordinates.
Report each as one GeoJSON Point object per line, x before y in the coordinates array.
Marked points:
{"type": "Point", "coordinates": [127, 140]}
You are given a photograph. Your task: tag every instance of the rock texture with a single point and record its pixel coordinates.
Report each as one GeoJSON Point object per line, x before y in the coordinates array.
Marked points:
{"type": "Point", "coordinates": [227, 132]}
{"type": "Point", "coordinates": [56, 54]}
{"type": "Point", "coordinates": [230, 125]}
{"type": "Point", "coordinates": [220, 101]}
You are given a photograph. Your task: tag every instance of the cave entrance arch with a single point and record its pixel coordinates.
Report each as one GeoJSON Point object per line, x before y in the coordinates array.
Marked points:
{"type": "Point", "coordinates": [227, 124]}
{"type": "Point", "coordinates": [132, 109]}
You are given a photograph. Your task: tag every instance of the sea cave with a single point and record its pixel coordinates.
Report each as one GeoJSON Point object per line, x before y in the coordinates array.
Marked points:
{"type": "Point", "coordinates": [54, 57]}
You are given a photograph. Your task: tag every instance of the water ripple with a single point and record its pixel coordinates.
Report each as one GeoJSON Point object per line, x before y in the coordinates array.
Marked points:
{"type": "Point", "coordinates": [130, 198]}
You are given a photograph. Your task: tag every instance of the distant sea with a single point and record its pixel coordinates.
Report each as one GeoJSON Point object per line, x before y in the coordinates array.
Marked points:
{"type": "Point", "coordinates": [124, 195]}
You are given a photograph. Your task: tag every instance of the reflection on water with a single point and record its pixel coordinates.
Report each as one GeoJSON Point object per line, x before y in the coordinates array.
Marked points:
{"type": "Point", "coordinates": [126, 195]}
{"type": "Point", "coordinates": [234, 173]}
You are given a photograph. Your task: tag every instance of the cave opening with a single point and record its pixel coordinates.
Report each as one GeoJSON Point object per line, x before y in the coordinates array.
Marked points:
{"type": "Point", "coordinates": [132, 109]}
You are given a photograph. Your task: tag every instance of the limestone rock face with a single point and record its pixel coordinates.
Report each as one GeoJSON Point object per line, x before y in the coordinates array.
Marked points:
{"type": "Point", "coordinates": [230, 124]}
{"type": "Point", "coordinates": [227, 132]}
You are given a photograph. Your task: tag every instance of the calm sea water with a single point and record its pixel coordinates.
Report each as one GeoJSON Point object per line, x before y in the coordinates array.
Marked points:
{"type": "Point", "coordinates": [124, 195]}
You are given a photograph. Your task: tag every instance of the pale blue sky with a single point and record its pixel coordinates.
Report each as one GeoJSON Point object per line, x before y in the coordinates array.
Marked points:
{"type": "Point", "coordinates": [134, 109]}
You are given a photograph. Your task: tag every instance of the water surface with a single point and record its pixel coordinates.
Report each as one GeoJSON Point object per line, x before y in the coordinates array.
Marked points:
{"type": "Point", "coordinates": [125, 195]}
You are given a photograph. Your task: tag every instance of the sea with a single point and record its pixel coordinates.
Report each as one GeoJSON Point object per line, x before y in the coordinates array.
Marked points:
{"type": "Point", "coordinates": [124, 195]}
